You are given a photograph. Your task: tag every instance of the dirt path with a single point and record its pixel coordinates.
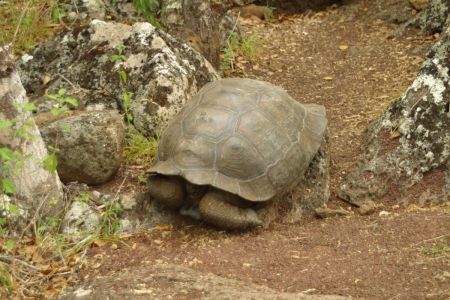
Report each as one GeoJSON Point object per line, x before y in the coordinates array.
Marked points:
{"type": "Point", "coordinates": [342, 59]}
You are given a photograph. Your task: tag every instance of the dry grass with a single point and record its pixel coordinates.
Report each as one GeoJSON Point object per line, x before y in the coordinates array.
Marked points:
{"type": "Point", "coordinates": [24, 23]}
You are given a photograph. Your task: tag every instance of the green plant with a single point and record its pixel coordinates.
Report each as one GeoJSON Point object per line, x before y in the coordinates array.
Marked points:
{"type": "Point", "coordinates": [440, 248]}
{"type": "Point", "coordinates": [270, 10]}
{"type": "Point", "coordinates": [62, 102]}
{"type": "Point", "coordinates": [119, 56]}
{"type": "Point", "coordinates": [142, 179]}
{"type": "Point", "coordinates": [123, 81]}
{"type": "Point", "coordinates": [149, 9]}
{"type": "Point", "coordinates": [245, 46]}
{"type": "Point", "coordinates": [110, 221]}
{"type": "Point", "coordinates": [6, 280]}
{"type": "Point", "coordinates": [139, 149]}
{"type": "Point", "coordinates": [82, 197]}
{"type": "Point", "coordinates": [50, 225]}
{"type": "Point", "coordinates": [61, 106]}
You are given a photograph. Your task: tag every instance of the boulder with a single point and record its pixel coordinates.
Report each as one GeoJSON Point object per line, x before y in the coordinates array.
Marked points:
{"type": "Point", "coordinates": [137, 69]}
{"type": "Point", "coordinates": [79, 220]}
{"type": "Point", "coordinates": [407, 148]}
{"type": "Point", "coordinates": [89, 145]}
{"type": "Point", "coordinates": [36, 192]}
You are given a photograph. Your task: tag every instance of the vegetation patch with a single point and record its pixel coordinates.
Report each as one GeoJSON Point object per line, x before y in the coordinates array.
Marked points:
{"type": "Point", "coordinates": [240, 50]}
{"type": "Point", "coordinates": [150, 10]}
{"type": "Point", "coordinates": [438, 248]}
{"type": "Point", "coordinates": [140, 150]}
{"type": "Point", "coordinates": [24, 23]}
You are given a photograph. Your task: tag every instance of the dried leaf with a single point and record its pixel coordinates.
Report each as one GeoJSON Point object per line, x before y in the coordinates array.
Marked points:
{"type": "Point", "coordinates": [99, 243]}
{"type": "Point", "coordinates": [394, 134]}
{"type": "Point", "coordinates": [164, 227]}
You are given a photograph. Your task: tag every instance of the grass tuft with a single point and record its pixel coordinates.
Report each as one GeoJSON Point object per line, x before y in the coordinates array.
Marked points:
{"type": "Point", "coordinates": [238, 49]}
{"type": "Point", "coordinates": [24, 23]}
{"type": "Point", "coordinates": [140, 150]}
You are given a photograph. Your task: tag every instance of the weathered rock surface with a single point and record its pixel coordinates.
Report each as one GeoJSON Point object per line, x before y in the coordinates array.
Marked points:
{"type": "Point", "coordinates": [326, 212]}
{"type": "Point", "coordinates": [90, 145]}
{"type": "Point", "coordinates": [80, 220]}
{"type": "Point", "coordinates": [36, 191]}
{"type": "Point", "coordinates": [88, 9]}
{"type": "Point", "coordinates": [434, 17]}
{"type": "Point", "coordinates": [167, 281]}
{"type": "Point", "coordinates": [408, 146]}
{"type": "Point", "coordinates": [101, 62]}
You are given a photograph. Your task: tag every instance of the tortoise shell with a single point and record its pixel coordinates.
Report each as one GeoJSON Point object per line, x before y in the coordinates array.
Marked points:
{"type": "Point", "coordinates": [243, 136]}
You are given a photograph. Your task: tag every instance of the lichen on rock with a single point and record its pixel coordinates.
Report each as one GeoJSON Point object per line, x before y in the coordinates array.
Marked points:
{"type": "Point", "coordinates": [411, 138]}
{"type": "Point", "coordinates": [90, 145]}
{"type": "Point", "coordinates": [161, 73]}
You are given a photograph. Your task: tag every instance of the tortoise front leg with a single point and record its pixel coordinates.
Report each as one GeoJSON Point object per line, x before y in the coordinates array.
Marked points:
{"type": "Point", "coordinates": [167, 190]}
{"type": "Point", "coordinates": [216, 209]}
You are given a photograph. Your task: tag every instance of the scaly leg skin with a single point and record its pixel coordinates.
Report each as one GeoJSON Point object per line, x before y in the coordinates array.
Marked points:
{"type": "Point", "coordinates": [168, 191]}
{"type": "Point", "coordinates": [216, 210]}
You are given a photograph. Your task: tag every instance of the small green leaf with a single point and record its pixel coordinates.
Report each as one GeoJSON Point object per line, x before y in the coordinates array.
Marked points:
{"type": "Point", "coordinates": [72, 101]}
{"type": "Point", "coordinates": [62, 92]}
{"type": "Point", "coordinates": [6, 154]}
{"type": "Point", "coordinates": [52, 96]}
{"type": "Point", "coordinates": [13, 209]}
{"type": "Point", "coordinates": [29, 107]}
{"type": "Point", "coordinates": [9, 245]}
{"type": "Point", "coordinates": [7, 186]}
{"type": "Point", "coordinates": [20, 132]}
{"type": "Point", "coordinates": [55, 111]}
{"type": "Point", "coordinates": [5, 124]}
{"type": "Point", "coordinates": [2, 222]}
{"type": "Point", "coordinates": [123, 76]}
{"type": "Point", "coordinates": [50, 163]}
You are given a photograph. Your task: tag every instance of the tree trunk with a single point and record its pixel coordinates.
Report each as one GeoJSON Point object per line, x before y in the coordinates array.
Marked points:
{"type": "Point", "coordinates": [35, 187]}
{"type": "Point", "coordinates": [406, 155]}
{"type": "Point", "coordinates": [205, 18]}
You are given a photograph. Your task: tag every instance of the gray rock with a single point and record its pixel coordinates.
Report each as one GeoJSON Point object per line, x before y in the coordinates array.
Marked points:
{"type": "Point", "coordinates": [90, 145]}
{"type": "Point", "coordinates": [434, 17]}
{"type": "Point", "coordinates": [325, 212]}
{"type": "Point", "coordinates": [411, 139]}
{"type": "Point", "coordinates": [79, 220]}
{"type": "Point", "coordinates": [15, 220]}
{"type": "Point", "coordinates": [128, 200]}
{"type": "Point", "coordinates": [162, 281]}
{"type": "Point", "coordinates": [160, 72]}
{"type": "Point", "coordinates": [368, 207]}
{"type": "Point", "coordinates": [95, 9]}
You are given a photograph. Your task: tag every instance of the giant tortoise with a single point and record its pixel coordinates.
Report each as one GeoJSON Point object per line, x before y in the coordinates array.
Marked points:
{"type": "Point", "coordinates": [237, 143]}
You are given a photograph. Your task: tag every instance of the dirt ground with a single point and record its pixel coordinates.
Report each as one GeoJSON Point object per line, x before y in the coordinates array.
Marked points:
{"type": "Point", "coordinates": [348, 59]}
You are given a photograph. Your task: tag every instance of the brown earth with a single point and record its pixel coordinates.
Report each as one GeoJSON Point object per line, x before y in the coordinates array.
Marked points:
{"type": "Point", "coordinates": [348, 59]}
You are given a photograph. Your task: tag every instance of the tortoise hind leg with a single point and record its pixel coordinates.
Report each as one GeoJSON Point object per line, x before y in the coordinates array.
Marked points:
{"type": "Point", "coordinates": [216, 209]}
